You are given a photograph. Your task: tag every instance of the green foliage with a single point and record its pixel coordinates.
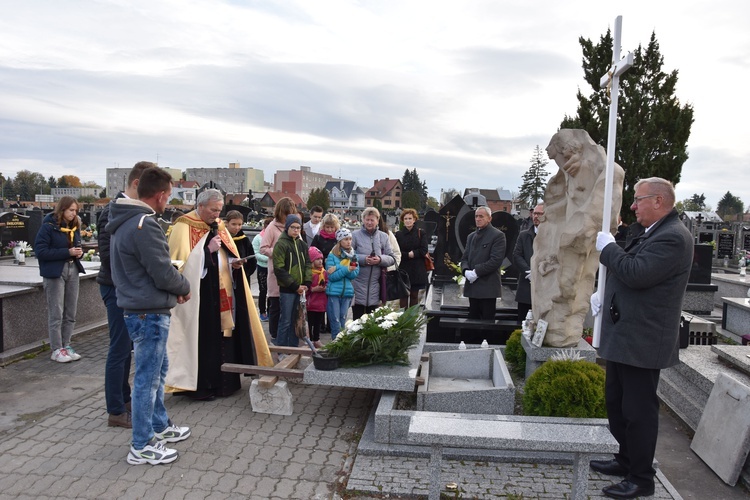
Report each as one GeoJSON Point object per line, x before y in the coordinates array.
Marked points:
{"type": "Point", "coordinates": [534, 184]}
{"type": "Point", "coordinates": [412, 184]}
{"type": "Point", "coordinates": [653, 127]}
{"type": "Point", "coordinates": [729, 206]}
{"type": "Point", "coordinates": [383, 337]}
{"type": "Point", "coordinates": [175, 201]}
{"type": "Point", "coordinates": [514, 353]}
{"type": "Point", "coordinates": [27, 184]}
{"type": "Point", "coordinates": [378, 204]}
{"type": "Point", "coordinates": [320, 197]}
{"type": "Point", "coordinates": [566, 389]}
{"type": "Point", "coordinates": [696, 203]}
{"type": "Point", "coordinates": [410, 199]}
{"type": "Point", "coordinates": [103, 193]}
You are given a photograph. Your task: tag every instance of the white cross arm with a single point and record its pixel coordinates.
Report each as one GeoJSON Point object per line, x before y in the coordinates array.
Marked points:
{"type": "Point", "coordinates": [619, 68]}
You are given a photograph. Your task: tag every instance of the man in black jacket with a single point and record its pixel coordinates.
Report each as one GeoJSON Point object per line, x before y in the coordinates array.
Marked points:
{"type": "Point", "coordinates": [641, 309]}
{"type": "Point", "coordinates": [117, 369]}
{"type": "Point", "coordinates": [480, 265]}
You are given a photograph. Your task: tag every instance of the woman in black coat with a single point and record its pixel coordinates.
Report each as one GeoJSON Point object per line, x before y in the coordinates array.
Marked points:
{"type": "Point", "coordinates": [413, 244]}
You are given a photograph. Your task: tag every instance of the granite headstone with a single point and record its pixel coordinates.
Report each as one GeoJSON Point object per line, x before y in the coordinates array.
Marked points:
{"type": "Point", "coordinates": [14, 227]}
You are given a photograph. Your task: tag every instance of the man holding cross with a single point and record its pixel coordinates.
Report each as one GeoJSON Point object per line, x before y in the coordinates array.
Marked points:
{"type": "Point", "coordinates": [640, 312]}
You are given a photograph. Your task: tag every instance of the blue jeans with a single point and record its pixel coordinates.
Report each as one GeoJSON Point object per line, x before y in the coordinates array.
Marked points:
{"type": "Point", "coordinates": [149, 335]}
{"type": "Point", "coordinates": [337, 309]}
{"type": "Point", "coordinates": [289, 302]}
{"type": "Point", "coordinates": [117, 369]}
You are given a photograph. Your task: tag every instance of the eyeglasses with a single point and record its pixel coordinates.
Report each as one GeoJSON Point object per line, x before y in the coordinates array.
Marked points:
{"type": "Point", "coordinates": [296, 228]}
{"type": "Point", "coordinates": [538, 214]}
{"type": "Point", "coordinates": [638, 199]}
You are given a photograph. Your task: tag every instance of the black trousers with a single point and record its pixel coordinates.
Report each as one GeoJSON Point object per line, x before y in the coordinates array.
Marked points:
{"type": "Point", "coordinates": [633, 413]}
{"type": "Point", "coordinates": [359, 310]}
{"type": "Point", "coordinates": [482, 308]}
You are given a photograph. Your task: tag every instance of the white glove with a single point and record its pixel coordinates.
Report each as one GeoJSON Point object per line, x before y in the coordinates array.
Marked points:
{"type": "Point", "coordinates": [603, 239]}
{"type": "Point", "coordinates": [596, 305]}
{"type": "Point", "coordinates": [471, 275]}
{"type": "Point", "coordinates": [528, 275]}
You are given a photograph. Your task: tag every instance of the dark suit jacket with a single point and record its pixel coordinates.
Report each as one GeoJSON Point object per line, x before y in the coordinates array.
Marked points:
{"type": "Point", "coordinates": [645, 287]}
{"type": "Point", "coordinates": [484, 253]}
{"type": "Point", "coordinates": [522, 253]}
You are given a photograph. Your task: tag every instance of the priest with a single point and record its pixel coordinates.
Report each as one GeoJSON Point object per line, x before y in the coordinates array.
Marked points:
{"type": "Point", "coordinates": [221, 325]}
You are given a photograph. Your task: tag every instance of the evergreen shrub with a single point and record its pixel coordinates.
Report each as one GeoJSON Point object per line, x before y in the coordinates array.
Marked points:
{"type": "Point", "coordinates": [566, 388]}
{"type": "Point", "coordinates": [515, 356]}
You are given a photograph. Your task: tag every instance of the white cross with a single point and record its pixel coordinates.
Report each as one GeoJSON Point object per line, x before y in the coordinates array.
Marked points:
{"type": "Point", "coordinates": [611, 80]}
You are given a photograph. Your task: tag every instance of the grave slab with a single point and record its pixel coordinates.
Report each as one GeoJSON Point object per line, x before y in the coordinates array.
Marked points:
{"type": "Point", "coordinates": [722, 439]}
{"type": "Point", "coordinates": [729, 285]}
{"type": "Point", "coordinates": [466, 381]}
{"type": "Point", "coordinates": [736, 355]}
{"type": "Point", "coordinates": [387, 378]}
{"type": "Point", "coordinates": [736, 317]}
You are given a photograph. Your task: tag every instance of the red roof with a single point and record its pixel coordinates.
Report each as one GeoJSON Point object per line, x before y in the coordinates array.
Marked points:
{"type": "Point", "coordinates": [277, 195]}
{"type": "Point", "coordinates": [385, 185]}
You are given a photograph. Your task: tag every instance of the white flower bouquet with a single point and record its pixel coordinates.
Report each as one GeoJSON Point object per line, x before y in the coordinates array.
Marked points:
{"type": "Point", "coordinates": [383, 337]}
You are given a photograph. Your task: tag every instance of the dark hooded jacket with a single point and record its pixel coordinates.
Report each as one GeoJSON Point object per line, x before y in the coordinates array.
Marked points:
{"type": "Point", "coordinates": [142, 272]}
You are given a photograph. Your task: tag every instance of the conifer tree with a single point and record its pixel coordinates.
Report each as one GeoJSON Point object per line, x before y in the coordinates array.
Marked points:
{"type": "Point", "coordinates": [411, 182]}
{"type": "Point", "coordinates": [531, 191]}
{"type": "Point", "coordinates": [729, 206]}
{"type": "Point", "coordinates": [653, 126]}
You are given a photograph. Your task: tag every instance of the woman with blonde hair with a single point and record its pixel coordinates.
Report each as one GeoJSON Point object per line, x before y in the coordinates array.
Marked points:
{"type": "Point", "coordinates": [325, 240]}
{"type": "Point", "coordinates": [58, 250]}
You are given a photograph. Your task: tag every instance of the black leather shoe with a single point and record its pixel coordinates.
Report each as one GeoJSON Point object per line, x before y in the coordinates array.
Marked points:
{"type": "Point", "coordinates": [608, 467]}
{"type": "Point", "coordinates": [626, 489]}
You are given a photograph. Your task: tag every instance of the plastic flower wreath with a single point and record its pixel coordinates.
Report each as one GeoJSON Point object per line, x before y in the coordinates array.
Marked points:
{"type": "Point", "coordinates": [383, 337]}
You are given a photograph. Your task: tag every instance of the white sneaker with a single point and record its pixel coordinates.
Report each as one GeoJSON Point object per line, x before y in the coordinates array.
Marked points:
{"type": "Point", "coordinates": [153, 453]}
{"type": "Point", "coordinates": [173, 434]}
{"type": "Point", "coordinates": [61, 356]}
{"type": "Point", "coordinates": [73, 355]}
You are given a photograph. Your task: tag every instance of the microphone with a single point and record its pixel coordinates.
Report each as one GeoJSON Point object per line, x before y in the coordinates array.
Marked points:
{"type": "Point", "coordinates": [214, 229]}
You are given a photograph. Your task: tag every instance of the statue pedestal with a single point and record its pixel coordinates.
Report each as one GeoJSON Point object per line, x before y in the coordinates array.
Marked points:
{"type": "Point", "coordinates": [535, 356]}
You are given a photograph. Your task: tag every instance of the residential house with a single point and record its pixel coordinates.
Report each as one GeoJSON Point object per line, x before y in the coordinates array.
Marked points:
{"type": "Point", "coordinates": [344, 196]}
{"type": "Point", "coordinates": [387, 191]}
{"type": "Point", "coordinates": [492, 198]}
{"type": "Point", "coordinates": [270, 199]}
{"type": "Point", "coordinates": [184, 191]}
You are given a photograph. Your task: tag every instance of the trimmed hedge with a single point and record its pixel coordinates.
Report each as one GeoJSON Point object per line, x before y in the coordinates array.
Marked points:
{"type": "Point", "coordinates": [515, 356]}
{"type": "Point", "coordinates": [566, 389]}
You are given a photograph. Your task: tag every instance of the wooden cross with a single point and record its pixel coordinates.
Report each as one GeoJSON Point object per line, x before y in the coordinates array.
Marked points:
{"type": "Point", "coordinates": [611, 80]}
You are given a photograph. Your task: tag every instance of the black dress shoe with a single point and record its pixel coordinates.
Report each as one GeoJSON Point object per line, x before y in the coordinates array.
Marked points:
{"type": "Point", "coordinates": [626, 489]}
{"type": "Point", "coordinates": [608, 467]}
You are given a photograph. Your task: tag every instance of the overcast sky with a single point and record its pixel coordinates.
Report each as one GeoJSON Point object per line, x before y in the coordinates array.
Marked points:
{"type": "Point", "coordinates": [460, 90]}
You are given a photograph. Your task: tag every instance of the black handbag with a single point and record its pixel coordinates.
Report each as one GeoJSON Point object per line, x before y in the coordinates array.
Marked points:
{"type": "Point", "coordinates": [397, 284]}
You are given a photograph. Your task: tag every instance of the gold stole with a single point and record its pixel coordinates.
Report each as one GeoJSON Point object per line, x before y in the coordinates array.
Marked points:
{"type": "Point", "coordinates": [181, 251]}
